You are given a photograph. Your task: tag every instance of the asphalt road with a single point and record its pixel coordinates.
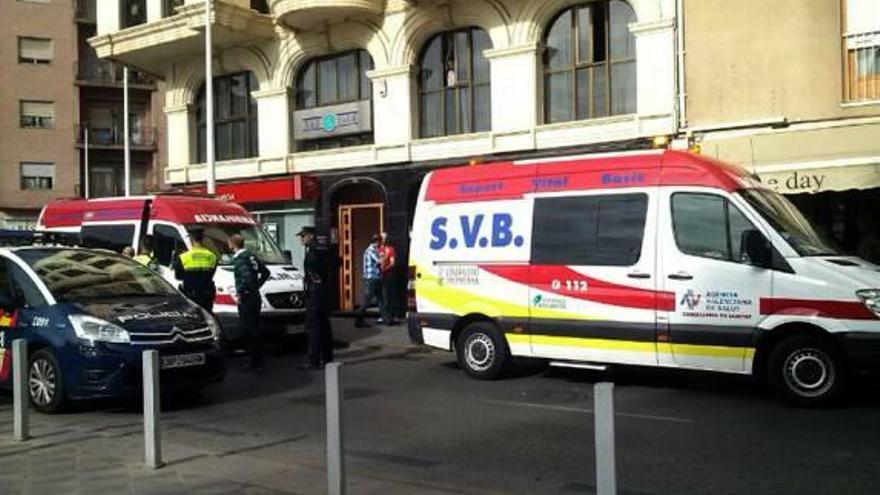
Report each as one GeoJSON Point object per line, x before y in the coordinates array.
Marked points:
{"type": "Point", "coordinates": [412, 416]}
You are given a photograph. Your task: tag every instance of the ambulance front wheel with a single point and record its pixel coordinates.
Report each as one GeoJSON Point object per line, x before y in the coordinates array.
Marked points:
{"type": "Point", "coordinates": [482, 351]}
{"type": "Point", "coordinates": [805, 370]}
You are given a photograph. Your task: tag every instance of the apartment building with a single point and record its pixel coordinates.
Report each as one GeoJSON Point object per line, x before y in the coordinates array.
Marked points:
{"type": "Point", "coordinates": [332, 112]}
{"type": "Point", "coordinates": [38, 105]}
{"type": "Point", "coordinates": [795, 97]}
{"type": "Point", "coordinates": [53, 87]}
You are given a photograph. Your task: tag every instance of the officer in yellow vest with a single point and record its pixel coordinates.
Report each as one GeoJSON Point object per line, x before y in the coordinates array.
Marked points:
{"type": "Point", "coordinates": [147, 258]}
{"type": "Point", "coordinates": [196, 269]}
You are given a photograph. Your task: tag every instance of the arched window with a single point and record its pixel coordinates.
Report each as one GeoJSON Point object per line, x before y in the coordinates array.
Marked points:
{"type": "Point", "coordinates": [454, 84]}
{"type": "Point", "coordinates": [235, 118]}
{"type": "Point", "coordinates": [590, 62]}
{"type": "Point", "coordinates": [333, 102]}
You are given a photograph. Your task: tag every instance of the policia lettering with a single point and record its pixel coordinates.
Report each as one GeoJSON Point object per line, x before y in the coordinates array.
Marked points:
{"type": "Point", "coordinates": [196, 269]}
{"type": "Point", "coordinates": [500, 236]}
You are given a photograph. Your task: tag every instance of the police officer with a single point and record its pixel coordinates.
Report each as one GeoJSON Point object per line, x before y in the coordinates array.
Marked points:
{"type": "Point", "coordinates": [250, 275]}
{"type": "Point", "coordinates": [317, 282]}
{"type": "Point", "coordinates": [196, 269]}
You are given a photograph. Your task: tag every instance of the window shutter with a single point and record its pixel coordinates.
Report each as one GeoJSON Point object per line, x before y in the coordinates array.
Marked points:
{"type": "Point", "coordinates": [34, 169]}
{"type": "Point", "coordinates": [35, 48]}
{"type": "Point", "coordinates": [42, 109]}
{"type": "Point", "coordinates": [862, 16]}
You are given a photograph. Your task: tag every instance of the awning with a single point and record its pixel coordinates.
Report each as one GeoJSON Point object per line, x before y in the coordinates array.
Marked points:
{"type": "Point", "coordinates": [811, 158]}
{"type": "Point", "coordinates": [815, 178]}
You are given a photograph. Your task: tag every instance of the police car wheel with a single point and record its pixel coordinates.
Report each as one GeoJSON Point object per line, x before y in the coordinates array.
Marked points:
{"type": "Point", "coordinates": [805, 370]}
{"type": "Point", "coordinates": [45, 386]}
{"type": "Point", "coordinates": [482, 351]}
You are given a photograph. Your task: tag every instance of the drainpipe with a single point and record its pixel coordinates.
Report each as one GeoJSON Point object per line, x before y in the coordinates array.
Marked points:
{"type": "Point", "coordinates": [682, 94]}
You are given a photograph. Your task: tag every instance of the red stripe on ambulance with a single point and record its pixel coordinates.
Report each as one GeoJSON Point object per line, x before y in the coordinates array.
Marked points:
{"type": "Point", "coordinates": [843, 310]}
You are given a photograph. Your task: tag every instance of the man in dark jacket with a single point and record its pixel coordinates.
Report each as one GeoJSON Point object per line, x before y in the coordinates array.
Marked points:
{"type": "Point", "coordinates": [317, 283]}
{"type": "Point", "coordinates": [250, 275]}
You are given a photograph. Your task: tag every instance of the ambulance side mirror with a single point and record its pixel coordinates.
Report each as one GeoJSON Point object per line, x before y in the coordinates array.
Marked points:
{"type": "Point", "coordinates": [756, 248]}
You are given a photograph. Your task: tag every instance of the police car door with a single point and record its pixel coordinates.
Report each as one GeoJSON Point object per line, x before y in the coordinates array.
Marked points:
{"type": "Point", "coordinates": [716, 292]}
{"type": "Point", "coordinates": [22, 303]}
{"type": "Point", "coordinates": [593, 265]}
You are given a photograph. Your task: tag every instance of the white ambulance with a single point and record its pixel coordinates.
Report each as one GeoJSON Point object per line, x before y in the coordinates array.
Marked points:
{"type": "Point", "coordinates": [652, 258]}
{"type": "Point", "coordinates": [116, 223]}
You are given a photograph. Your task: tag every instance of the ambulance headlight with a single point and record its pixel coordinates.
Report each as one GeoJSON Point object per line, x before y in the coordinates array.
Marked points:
{"type": "Point", "coordinates": [93, 330]}
{"type": "Point", "coordinates": [871, 299]}
{"type": "Point", "coordinates": [213, 325]}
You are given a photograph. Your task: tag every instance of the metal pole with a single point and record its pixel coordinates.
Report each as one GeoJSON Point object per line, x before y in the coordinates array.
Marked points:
{"type": "Point", "coordinates": [152, 441]}
{"type": "Point", "coordinates": [19, 392]}
{"type": "Point", "coordinates": [335, 452]}
{"type": "Point", "coordinates": [86, 160]}
{"type": "Point", "coordinates": [606, 475]}
{"type": "Point", "coordinates": [126, 130]}
{"type": "Point", "coordinates": [209, 102]}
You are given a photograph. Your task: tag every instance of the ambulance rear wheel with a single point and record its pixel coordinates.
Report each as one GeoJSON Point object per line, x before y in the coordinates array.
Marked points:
{"type": "Point", "coordinates": [45, 386]}
{"type": "Point", "coordinates": [482, 351]}
{"type": "Point", "coordinates": [804, 370]}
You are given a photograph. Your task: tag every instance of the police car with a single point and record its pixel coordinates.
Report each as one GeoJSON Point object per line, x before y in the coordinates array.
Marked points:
{"type": "Point", "coordinates": [87, 317]}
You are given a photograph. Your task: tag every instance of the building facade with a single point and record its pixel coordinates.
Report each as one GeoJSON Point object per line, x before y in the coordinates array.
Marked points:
{"type": "Point", "coordinates": [52, 88]}
{"type": "Point", "coordinates": [794, 97]}
{"type": "Point", "coordinates": [367, 96]}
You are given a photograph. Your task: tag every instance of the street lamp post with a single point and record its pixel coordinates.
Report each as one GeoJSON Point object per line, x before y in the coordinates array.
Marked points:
{"type": "Point", "coordinates": [209, 102]}
{"type": "Point", "coordinates": [86, 159]}
{"type": "Point", "coordinates": [125, 126]}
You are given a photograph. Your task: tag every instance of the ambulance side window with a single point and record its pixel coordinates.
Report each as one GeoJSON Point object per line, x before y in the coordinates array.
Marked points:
{"type": "Point", "coordinates": [602, 230]}
{"type": "Point", "coordinates": [166, 240]}
{"type": "Point", "coordinates": [708, 226]}
{"type": "Point", "coordinates": [112, 237]}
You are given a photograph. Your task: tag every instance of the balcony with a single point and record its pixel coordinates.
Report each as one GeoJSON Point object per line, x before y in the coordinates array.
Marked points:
{"type": "Point", "coordinates": [300, 14]}
{"type": "Point", "coordinates": [104, 73]}
{"type": "Point", "coordinates": [112, 136]}
{"type": "Point", "coordinates": [177, 28]}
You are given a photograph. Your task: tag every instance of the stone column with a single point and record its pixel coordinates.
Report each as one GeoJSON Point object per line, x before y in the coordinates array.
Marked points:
{"type": "Point", "coordinates": [655, 66]}
{"type": "Point", "coordinates": [181, 120]}
{"type": "Point", "coordinates": [393, 105]}
{"type": "Point", "coordinates": [515, 99]}
{"type": "Point", "coordinates": [273, 125]}
{"type": "Point", "coordinates": [109, 16]}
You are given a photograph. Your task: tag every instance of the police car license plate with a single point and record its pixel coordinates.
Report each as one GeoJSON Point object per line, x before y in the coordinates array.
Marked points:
{"type": "Point", "coordinates": [183, 360]}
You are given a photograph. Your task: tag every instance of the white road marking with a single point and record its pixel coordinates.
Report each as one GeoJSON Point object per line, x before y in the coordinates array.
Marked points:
{"type": "Point", "coordinates": [584, 410]}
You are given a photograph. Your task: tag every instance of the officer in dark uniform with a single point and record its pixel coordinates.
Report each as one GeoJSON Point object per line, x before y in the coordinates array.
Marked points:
{"type": "Point", "coordinates": [196, 269]}
{"type": "Point", "coordinates": [250, 275]}
{"type": "Point", "coordinates": [317, 283]}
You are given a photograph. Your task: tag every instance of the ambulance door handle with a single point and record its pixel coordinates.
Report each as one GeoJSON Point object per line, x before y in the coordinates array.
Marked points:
{"type": "Point", "coordinates": [681, 276]}
{"type": "Point", "coordinates": [639, 275]}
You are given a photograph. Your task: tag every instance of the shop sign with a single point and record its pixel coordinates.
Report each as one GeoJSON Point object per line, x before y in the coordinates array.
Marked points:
{"type": "Point", "coordinates": [296, 188]}
{"type": "Point", "coordinates": [334, 120]}
{"type": "Point", "coordinates": [815, 180]}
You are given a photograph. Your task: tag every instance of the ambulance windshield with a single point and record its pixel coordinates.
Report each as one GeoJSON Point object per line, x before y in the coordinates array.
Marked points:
{"type": "Point", "coordinates": [255, 240]}
{"type": "Point", "coordinates": [789, 222]}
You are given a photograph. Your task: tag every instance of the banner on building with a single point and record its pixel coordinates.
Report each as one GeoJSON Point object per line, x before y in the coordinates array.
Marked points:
{"type": "Point", "coordinates": [816, 180]}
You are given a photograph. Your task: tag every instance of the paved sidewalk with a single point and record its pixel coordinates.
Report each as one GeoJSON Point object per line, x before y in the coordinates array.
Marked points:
{"type": "Point", "coordinates": [71, 455]}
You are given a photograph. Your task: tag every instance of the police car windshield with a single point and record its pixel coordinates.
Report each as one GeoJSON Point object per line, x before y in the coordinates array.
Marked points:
{"type": "Point", "coordinates": [784, 216]}
{"type": "Point", "coordinates": [75, 275]}
{"type": "Point", "coordinates": [255, 239]}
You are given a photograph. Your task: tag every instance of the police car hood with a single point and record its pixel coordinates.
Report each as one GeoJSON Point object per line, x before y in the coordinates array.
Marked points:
{"type": "Point", "coordinates": [146, 314]}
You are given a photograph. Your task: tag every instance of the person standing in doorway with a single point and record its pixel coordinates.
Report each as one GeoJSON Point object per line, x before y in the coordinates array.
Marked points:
{"type": "Point", "coordinates": [196, 268]}
{"type": "Point", "coordinates": [250, 275]}
{"type": "Point", "coordinates": [387, 262]}
{"type": "Point", "coordinates": [372, 282]}
{"type": "Point", "coordinates": [317, 283]}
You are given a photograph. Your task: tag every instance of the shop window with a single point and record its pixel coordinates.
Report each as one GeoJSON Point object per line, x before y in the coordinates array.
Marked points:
{"type": "Point", "coordinates": [604, 230]}
{"type": "Point", "coordinates": [454, 84]}
{"type": "Point", "coordinates": [235, 118]}
{"type": "Point", "coordinates": [590, 63]}
{"type": "Point", "coordinates": [333, 96]}
{"type": "Point", "coordinates": [861, 43]}
{"type": "Point", "coordinates": [37, 176]}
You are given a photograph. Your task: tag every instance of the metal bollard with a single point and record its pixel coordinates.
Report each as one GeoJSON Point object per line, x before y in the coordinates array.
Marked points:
{"type": "Point", "coordinates": [20, 405]}
{"type": "Point", "coordinates": [152, 408]}
{"type": "Point", "coordinates": [606, 472]}
{"type": "Point", "coordinates": [335, 451]}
